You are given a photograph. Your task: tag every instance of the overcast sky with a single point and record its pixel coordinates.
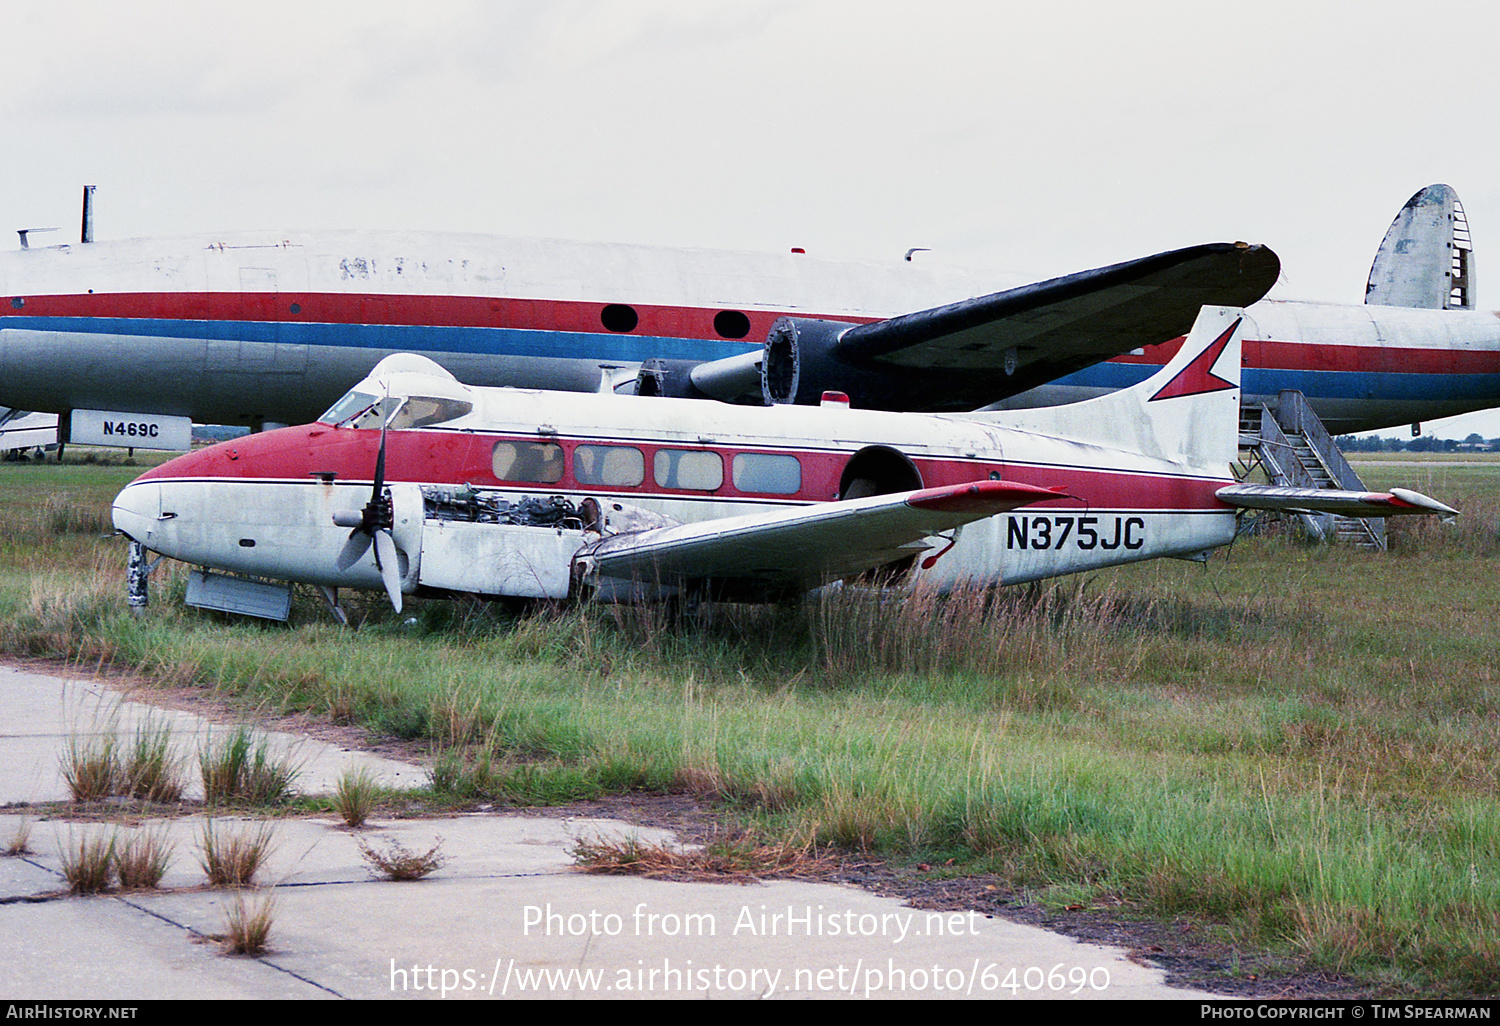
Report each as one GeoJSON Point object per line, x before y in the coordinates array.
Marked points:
{"type": "Point", "coordinates": [1038, 138]}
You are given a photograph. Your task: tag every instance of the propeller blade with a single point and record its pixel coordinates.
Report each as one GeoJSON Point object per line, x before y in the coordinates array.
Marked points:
{"type": "Point", "coordinates": [372, 524]}
{"type": "Point", "coordinates": [375, 493]}
{"type": "Point", "coordinates": [353, 549]}
{"type": "Point", "coordinates": [388, 559]}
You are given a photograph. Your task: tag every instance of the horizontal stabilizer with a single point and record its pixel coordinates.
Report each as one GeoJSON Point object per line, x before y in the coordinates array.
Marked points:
{"type": "Point", "coordinates": [1396, 502]}
{"type": "Point", "coordinates": [802, 547]}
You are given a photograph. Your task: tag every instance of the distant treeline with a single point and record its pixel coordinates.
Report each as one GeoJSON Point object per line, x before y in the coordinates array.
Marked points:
{"type": "Point", "coordinates": [1422, 443]}
{"type": "Point", "coordinates": [217, 432]}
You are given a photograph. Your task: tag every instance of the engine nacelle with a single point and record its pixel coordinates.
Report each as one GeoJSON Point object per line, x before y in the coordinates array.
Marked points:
{"type": "Point", "coordinates": [670, 379]}
{"type": "Point", "coordinates": [796, 365]}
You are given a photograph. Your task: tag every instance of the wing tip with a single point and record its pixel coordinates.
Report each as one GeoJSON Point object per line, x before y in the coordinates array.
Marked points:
{"type": "Point", "coordinates": [975, 496]}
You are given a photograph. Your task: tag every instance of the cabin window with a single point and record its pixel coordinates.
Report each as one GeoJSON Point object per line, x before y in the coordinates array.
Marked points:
{"type": "Point", "coordinates": [688, 469]}
{"type": "Point", "coordinates": [618, 466]}
{"type": "Point", "coordinates": [539, 462]}
{"type": "Point", "coordinates": [619, 317]}
{"type": "Point", "coordinates": [766, 473]}
{"type": "Point", "coordinates": [731, 324]}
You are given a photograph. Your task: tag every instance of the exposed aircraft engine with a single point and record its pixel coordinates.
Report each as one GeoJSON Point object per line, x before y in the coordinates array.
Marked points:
{"type": "Point", "coordinates": [476, 506]}
{"type": "Point", "coordinates": [798, 365]}
{"type": "Point", "coordinates": [795, 366]}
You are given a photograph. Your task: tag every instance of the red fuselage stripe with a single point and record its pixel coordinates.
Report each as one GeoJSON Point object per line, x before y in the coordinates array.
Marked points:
{"type": "Point", "coordinates": [458, 458]}
{"type": "Point", "coordinates": [409, 310]}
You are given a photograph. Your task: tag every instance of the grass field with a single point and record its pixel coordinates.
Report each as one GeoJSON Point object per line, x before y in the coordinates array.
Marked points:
{"type": "Point", "coordinates": [1297, 745]}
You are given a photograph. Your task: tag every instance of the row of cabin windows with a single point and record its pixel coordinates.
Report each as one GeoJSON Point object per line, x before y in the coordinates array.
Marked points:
{"type": "Point", "coordinates": [619, 318]}
{"type": "Point", "coordinates": [624, 466]}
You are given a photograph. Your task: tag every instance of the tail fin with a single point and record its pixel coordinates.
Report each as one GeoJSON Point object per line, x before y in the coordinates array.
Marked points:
{"type": "Point", "coordinates": [1186, 412]}
{"type": "Point", "coordinates": [1426, 259]}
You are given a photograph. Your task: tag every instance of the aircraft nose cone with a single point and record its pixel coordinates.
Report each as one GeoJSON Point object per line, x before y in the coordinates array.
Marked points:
{"type": "Point", "coordinates": [137, 511]}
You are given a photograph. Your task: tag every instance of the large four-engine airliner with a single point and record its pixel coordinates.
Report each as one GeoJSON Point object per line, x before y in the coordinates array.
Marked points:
{"type": "Point", "coordinates": [269, 328]}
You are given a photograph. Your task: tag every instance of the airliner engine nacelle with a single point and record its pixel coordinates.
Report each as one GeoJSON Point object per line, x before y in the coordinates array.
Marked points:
{"type": "Point", "coordinates": [796, 365]}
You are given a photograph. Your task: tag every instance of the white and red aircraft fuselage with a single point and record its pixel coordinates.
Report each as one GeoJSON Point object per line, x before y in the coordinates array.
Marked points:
{"type": "Point", "coordinates": [506, 492]}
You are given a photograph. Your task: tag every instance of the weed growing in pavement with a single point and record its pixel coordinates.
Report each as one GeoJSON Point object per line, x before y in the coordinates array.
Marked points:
{"type": "Point", "coordinates": [20, 841]}
{"type": "Point", "coordinates": [91, 766]}
{"type": "Point", "coordinates": [398, 862]}
{"type": "Point", "coordinates": [354, 796]}
{"type": "Point", "coordinates": [142, 859]}
{"type": "Point", "coordinates": [243, 769]}
{"type": "Point", "coordinates": [232, 859]}
{"type": "Point", "coordinates": [88, 862]}
{"type": "Point", "coordinates": [248, 925]}
{"type": "Point", "coordinates": [152, 767]}
{"type": "Point", "coordinates": [732, 858]}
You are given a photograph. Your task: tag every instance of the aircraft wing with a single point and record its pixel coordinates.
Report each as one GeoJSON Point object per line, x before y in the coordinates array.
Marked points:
{"type": "Point", "coordinates": [801, 547]}
{"type": "Point", "coordinates": [978, 351]}
{"type": "Point", "coordinates": [1396, 502]}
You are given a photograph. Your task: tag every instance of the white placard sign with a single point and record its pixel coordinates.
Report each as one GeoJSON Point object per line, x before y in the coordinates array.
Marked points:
{"type": "Point", "coordinates": [130, 430]}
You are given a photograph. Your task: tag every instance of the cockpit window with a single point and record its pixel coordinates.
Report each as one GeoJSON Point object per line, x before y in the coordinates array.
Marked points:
{"type": "Point", "coordinates": [374, 415]}
{"type": "Point", "coordinates": [422, 410]}
{"type": "Point", "coordinates": [352, 403]}
{"type": "Point", "coordinates": [360, 410]}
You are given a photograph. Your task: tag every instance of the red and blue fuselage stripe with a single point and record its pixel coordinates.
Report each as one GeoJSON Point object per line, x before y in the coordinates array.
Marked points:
{"type": "Point", "coordinates": [561, 329]}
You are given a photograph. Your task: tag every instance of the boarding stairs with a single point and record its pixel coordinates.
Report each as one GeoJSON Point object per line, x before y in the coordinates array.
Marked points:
{"type": "Point", "coordinates": [1294, 449]}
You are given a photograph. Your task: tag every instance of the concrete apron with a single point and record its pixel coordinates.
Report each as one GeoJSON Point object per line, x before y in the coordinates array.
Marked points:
{"type": "Point", "coordinates": [506, 915]}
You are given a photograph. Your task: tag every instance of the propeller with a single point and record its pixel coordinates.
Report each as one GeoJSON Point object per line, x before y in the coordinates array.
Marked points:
{"type": "Point", "coordinates": [373, 524]}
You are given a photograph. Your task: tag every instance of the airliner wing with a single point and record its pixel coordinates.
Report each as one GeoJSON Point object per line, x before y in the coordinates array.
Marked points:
{"type": "Point", "coordinates": [1061, 325]}
{"type": "Point", "coordinates": [801, 547]}
{"type": "Point", "coordinates": [1396, 502]}
{"type": "Point", "coordinates": [978, 351]}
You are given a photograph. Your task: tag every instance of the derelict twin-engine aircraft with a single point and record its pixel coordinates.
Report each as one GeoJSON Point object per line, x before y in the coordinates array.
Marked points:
{"type": "Point", "coordinates": [130, 341]}
{"type": "Point", "coordinates": [416, 483]}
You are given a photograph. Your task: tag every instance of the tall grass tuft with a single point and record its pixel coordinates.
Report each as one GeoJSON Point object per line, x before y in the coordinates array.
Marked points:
{"type": "Point", "coordinates": [74, 615]}
{"type": "Point", "coordinates": [354, 796]}
{"type": "Point", "coordinates": [61, 513]}
{"type": "Point", "coordinates": [983, 631]}
{"type": "Point", "coordinates": [142, 860]}
{"type": "Point", "coordinates": [467, 772]}
{"type": "Point", "coordinates": [91, 766]}
{"type": "Point", "coordinates": [88, 862]}
{"type": "Point", "coordinates": [20, 841]}
{"type": "Point", "coordinates": [735, 857]}
{"type": "Point", "coordinates": [244, 769]}
{"type": "Point", "coordinates": [153, 769]}
{"type": "Point", "coordinates": [233, 859]}
{"type": "Point", "coordinates": [1475, 533]}
{"type": "Point", "coordinates": [248, 925]}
